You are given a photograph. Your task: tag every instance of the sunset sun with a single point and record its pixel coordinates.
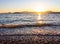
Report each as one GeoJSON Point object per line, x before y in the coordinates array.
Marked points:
{"type": "Point", "coordinates": [39, 9]}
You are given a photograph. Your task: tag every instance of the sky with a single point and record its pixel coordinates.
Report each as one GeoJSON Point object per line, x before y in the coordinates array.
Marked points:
{"type": "Point", "coordinates": [29, 5]}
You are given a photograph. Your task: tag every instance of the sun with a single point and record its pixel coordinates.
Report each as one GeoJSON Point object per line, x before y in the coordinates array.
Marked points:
{"type": "Point", "coordinates": [39, 9]}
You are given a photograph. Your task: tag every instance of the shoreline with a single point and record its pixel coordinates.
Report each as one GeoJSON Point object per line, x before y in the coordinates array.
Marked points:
{"type": "Point", "coordinates": [26, 25]}
{"type": "Point", "coordinates": [32, 35]}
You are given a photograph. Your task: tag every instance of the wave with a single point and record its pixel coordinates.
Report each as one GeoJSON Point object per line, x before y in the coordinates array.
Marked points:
{"type": "Point", "coordinates": [31, 34]}
{"type": "Point", "coordinates": [26, 25]}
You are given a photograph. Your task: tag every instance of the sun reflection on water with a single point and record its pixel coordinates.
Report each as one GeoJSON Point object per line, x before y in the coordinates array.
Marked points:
{"type": "Point", "coordinates": [39, 18]}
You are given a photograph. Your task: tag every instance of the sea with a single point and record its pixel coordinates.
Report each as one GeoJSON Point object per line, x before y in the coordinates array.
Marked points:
{"type": "Point", "coordinates": [31, 33]}
{"type": "Point", "coordinates": [29, 19]}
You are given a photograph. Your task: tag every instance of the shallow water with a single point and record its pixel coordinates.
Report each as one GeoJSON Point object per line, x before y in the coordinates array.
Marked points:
{"type": "Point", "coordinates": [51, 30]}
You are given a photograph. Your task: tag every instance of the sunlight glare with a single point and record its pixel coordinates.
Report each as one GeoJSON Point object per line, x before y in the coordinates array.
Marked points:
{"type": "Point", "coordinates": [39, 9]}
{"type": "Point", "coordinates": [39, 18]}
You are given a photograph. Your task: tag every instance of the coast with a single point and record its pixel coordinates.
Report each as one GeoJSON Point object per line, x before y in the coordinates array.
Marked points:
{"type": "Point", "coordinates": [26, 25]}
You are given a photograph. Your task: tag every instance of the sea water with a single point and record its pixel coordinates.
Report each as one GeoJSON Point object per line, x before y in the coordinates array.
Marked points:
{"type": "Point", "coordinates": [13, 19]}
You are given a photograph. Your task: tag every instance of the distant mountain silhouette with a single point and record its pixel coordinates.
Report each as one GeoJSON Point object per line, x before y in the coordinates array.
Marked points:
{"type": "Point", "coordinates": [26, 12]}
